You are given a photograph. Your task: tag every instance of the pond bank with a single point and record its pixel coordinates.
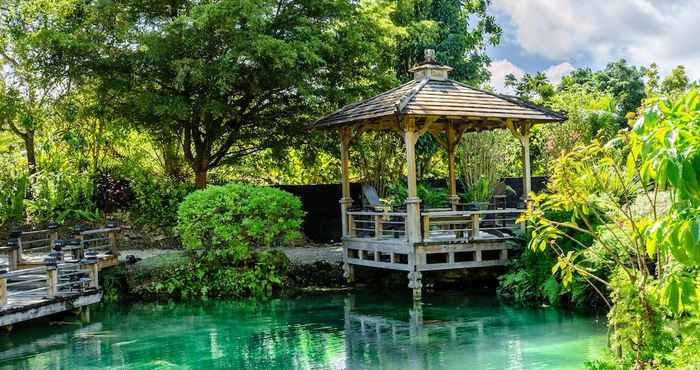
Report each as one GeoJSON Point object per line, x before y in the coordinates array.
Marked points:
{"type": "Point", "coordinates": [307, 269]}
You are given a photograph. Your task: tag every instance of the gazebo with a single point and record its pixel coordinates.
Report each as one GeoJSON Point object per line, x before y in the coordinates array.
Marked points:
{"type": "Point", "coordinates": [420, 239]}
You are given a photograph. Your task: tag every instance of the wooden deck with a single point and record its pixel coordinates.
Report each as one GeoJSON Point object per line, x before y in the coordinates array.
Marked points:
{"type": "Point", "coordinates": [42, 275]}
{"type": "Point", "coordinates": [448, 240]}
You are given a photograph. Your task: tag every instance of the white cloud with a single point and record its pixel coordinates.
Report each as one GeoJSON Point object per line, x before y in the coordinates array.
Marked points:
{"type": "Point", "coordinates": [557, 71]}
{"type": "Point", "coordinates": [642, 31]}
{"type": "Point", "coordinates": [499, 69]}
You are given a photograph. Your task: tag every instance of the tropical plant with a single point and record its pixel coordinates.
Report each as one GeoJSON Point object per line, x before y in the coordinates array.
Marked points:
{"type": "Point", "coordinates": [648, 240]}
{"type": "Point", "coordinates": [480, 191]}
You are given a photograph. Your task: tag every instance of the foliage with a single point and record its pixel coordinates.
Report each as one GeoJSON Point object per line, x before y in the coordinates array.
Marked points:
{"type": "Point", "coordinates": [235, 218]}
{"type": "Point", "coordinates": [380, 157]}
{"type": "Point", "coordinates": [650, 249]}
{"type": "Point", "coordinates": [459, 32]}
{"type": "Point", "coordinates": [62, 196]}
{"type": "Point", "coordinates": [622, 81]}
{"type": "Point", "coordinates": [156, 199]}
{"type": "Point", "coordinates": [490, 154]}
{"type": "Point", "coordinates": [590, 115]}
{"type": "Point", "coordinates": [230, 77]}
{"type": "Point", "coordinates": [532, 87]}
{"type": "Point", "coordinates": [214, 275]}
{"type": "Point", "coordinates": [665, 142]}
{"type": "Point", "coordinates": [13, 190]}
{"type": "Point", "coordinates": [480, 191]}
{"type": "Point", "coordinates": [431, 197]}
{"type": "Point", "coordinates": [111, 193]}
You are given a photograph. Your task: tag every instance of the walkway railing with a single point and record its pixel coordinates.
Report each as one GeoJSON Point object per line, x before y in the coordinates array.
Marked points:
{"type": "Point", "coordinates": [52, 280]}
{"type": "Point", "coordinates": [27, 244]}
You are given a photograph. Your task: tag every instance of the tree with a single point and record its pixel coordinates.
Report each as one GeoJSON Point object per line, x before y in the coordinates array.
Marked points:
{"type": "Point", "coordinates": [230, 77]}
{"type": "Point", "coordinates": [533, 87]}
{"type": "Point", "coordinates": [675, 83]}
{"type": "Point", "coordinates": [26, 95]}
{"type": "Point", "coordinates": [625, 83]}
{"type": "Point", "coordinates": [459, 31]}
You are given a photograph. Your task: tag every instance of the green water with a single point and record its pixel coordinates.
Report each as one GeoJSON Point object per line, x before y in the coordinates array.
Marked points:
{"type": "Point", "coordinates": [320, 332]}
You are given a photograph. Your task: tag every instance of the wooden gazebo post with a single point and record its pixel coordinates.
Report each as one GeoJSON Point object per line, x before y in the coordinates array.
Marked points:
{"type": "Point", "coordinates": [453, 137]}
{"type": "Point", "coordinates": [527, 176]}
{"type": "Point", "coordinates": [413, 226]}
{"type": "Point", "coordinates": [346, 200]}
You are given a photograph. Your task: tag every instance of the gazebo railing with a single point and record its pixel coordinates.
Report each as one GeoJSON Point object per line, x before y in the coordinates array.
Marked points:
{"type": "Point", "coordinates": [498, 224]}
{"type": "Point", "coordinates": [377, 225]}
{"type": "Point", "coordinates": [436, 225]}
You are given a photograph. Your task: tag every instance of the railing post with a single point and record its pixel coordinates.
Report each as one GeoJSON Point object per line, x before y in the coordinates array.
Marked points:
{"type": "Point", "coordinates": [3, 289]}
{"type": "Point", "coordinates": [351, 226]}
{"type": "Point", "coordinates": [51, 277]}
{"type": "Point", "coordinates": [91, 265]}
{"type": "Point", "coordinates": [12, 254]}
{"type": "Point", "coordinates": [475, 226]}
{"type": "Point", "coordinates": [426, 227]}
{"type": "Point", "coordinates": [19, 250]}
{"type": "Point", "coordinates": [378, 226]}
{"type": "Point", "coordinates": [113, 243]}
{"type": "Point", "coordinates": [53, 231]}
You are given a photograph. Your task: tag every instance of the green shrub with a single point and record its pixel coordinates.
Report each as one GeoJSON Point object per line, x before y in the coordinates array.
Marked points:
{"type": "Point", "coordinates": [13, 190]}
{"type": "Point", "coordinates": [156, 199]}
{"type": "Point", "coordinates": [236, 218]}
{"type": "Point", "coordinates": [62, 195]}
{"type": "Point", "coordinates": [213, 275]}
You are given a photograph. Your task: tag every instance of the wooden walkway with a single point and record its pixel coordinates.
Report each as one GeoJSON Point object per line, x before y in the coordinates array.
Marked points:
{"type": "Point", "coordinates": [42, 275]}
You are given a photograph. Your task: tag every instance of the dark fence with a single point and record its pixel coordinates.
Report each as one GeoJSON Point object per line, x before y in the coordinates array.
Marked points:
{"type": "Point", "coordinates": [322, 222]}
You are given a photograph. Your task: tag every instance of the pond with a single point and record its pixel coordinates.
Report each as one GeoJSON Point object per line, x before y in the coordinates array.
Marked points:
{"type": "Point", "coordinates": [354, 331]}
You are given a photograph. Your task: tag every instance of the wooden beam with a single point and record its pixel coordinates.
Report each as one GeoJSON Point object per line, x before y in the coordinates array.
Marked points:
{"type": "Point", "coordinates": [527, 176]}
{"type": "Point", "coordinates": [452, 141]}
{"type": "Point", "coordinates": [346, 200]}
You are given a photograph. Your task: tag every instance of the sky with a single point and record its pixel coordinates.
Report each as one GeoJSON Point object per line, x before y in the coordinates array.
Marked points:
{"type": "Point", "coordinates": [556, 36]}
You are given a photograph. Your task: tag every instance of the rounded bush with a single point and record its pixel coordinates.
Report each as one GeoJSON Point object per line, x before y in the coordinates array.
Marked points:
{"type": "Point", "coordinates": [237, 218]}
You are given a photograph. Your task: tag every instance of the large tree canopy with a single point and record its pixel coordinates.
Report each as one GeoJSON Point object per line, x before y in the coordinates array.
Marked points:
{"type": "Point", "coordinates": [229, 77]}
{"type": "Point", "coordinates": [458, 30]}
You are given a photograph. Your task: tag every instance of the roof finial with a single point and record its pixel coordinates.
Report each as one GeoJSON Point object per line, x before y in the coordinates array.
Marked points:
{"type": "Point", "coordinates": [429, 56]}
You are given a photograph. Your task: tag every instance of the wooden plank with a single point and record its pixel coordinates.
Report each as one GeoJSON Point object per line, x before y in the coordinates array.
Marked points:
{"type": "Point", "coordinates": [41, 308]}
{"type": "Point", "coordinates": [383, 265]}
{"type": "Point", "coordinates": [103, 230]}
{"type": "Point", "coordinates": [459, 265]}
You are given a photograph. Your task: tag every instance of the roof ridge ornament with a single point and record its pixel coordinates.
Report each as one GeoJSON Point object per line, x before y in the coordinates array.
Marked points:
{"type": "Point", "coordinates": [429, 56]}
{"type": "Point", "coordinates": [430, 68]}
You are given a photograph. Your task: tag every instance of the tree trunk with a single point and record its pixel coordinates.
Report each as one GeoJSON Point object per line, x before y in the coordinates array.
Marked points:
{"type": "Point", "coordinates": [31, 152]}
{"type": "Point", "coordinates": [200, 181]}
{"type": "Point", "coordinates": [172, 161]}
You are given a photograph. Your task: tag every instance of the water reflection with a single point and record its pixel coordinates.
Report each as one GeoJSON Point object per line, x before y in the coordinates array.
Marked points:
{"type": "Point", "coordinates": [330, 331]}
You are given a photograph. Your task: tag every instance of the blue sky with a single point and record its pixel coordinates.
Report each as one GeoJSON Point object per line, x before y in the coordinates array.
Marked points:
{"type": "Point", "coordinates": [556, 36]}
